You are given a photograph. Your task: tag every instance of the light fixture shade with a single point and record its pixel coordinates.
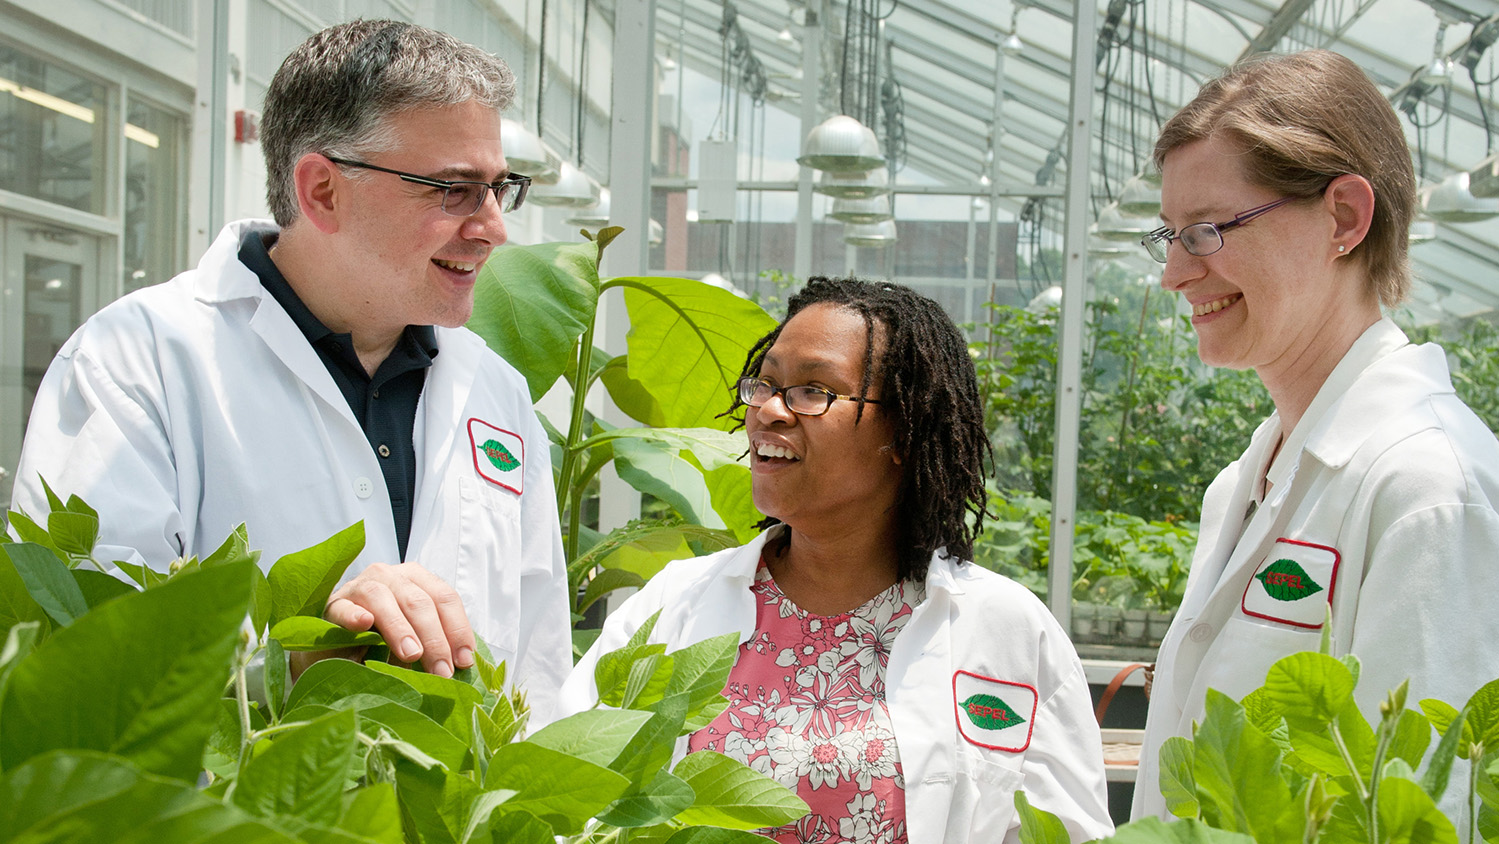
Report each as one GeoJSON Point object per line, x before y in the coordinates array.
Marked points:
{"type": "Point", "coordinates": [1422, 231]}
{"type": "Point", "coordinates": [1483, 180]}
{"type": "Point", "coordinates": [875, 209]}
{"type": "Point", "coordinates": [596, 215]}
{"type": "Point", "coordinates": [523, 150]}
{"type": "Point", "coordinates": [841, 143]}
{"type": "Point", "coordinates": [1112, 225]}
{"type": "Point", "coordinates": [1450, 201]}
{"type": "Point", "coordinates": [1139, 198]}
{"type": "Point", "coordinates": [869, 234]}
{"type": "Point", "coordinates": [573, 190]}
{"type": "Point", "coordinates": [853, 184]}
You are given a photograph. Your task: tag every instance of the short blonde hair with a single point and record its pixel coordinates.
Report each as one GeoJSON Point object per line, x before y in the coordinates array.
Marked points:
{"type": "Point", "coordinates": [1302, 120]}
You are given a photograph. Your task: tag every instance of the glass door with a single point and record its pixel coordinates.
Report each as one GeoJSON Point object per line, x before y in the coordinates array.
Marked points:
{"type": "Point", "coordinates": [51, 283]}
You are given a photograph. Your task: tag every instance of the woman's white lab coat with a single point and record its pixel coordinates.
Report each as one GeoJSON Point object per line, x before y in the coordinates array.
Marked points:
{"type": "Point", "coordinates": [184, 409]}
{"type": "Point", "coordinates": [976, 633]}
{"type": "Point", "coordinates": [1383, 500]}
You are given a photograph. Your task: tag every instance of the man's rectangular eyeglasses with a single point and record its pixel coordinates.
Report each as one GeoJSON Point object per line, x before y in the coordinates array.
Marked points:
{"type": "Point", "coordinates": [1201, 239]}
{"type": "Point", "coordinates": [803, 399]}
{"type": "Point", "coordinates": [460, 199]}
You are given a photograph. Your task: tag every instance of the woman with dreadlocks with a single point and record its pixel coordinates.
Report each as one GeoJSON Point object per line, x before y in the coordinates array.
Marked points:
{"type": "Point", "coordinates": [903, 693]}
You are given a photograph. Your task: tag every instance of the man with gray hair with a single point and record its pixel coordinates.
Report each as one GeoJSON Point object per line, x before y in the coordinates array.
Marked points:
{"type": "Point", "coordinates": [315, 373]}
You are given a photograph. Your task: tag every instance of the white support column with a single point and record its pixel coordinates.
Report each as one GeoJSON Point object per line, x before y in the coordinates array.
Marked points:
{"type": "Point", "coordinates": [1070, 332]}
{"type": "Point", "coordinates": [630, 201]}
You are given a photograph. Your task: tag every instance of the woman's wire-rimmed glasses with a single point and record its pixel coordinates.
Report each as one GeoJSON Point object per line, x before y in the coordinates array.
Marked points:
{"type": "Point", "coordinates": [803, 399]}
{"type": "Point", "coordinates": [460, 198]}
{"type": "Point", "coordinates": [1202, 239]}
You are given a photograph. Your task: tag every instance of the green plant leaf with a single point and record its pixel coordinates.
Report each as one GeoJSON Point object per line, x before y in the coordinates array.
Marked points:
{"type": "Point", "coordinates": [687, 345]}
{"type": "Point", "coordinates": [1412, 737]}
{"type": "Point", "coordinates": [418, 730]}
{"type": "Point", "coordinates": [708, 835]}
{"type": "Point", "coordinates": [30, 531]}
{"type": "Point", "coordinates": [302, 773]}
{"type": "Point", "coordinates": [86, 796]}
{"type": "Point", "coordinates": [1178, 783]}
{"type": "Point", "coordinates": [612, 674]}
{"type": "Point", "coordinates": [606, 581]}
{"type": "Point", "coordinates": [235, 548]}
{"type": "Point", "coordinates": [654, 467]}
{"type": "Point", "coordinates": [436, 803]}
{"type": "Point", "coordinates": [732, 795]}
{"type": "Point", "coordinates": [657, 802]}
{"type": "Point", "coordinates": [1434, 781]}
{"type": "Point", "coordinates": [74, 533]}
{"type": "Point", "coordinates": [16, 604]}
{"type": "Point", "coordinates": [49, 580]}
{"type": "Point", "coordinates": [1156, 831]}
{"type": "Point", "coordinates": [310, 633]}
{"type": "Point", "coordinates": [20, 640]}
{"type": "Point", "coordinates": [1038, 826]}
{"type": "Point", "coordinates": [701, 670]}
{"type": "Point", "coordinates": [373, 813]}
{"type": "Point", "coordinates": [532, 303]}
{"type": "Point", "coordinates": [598, 736]}
{"type": "Point", "coordinates": [519, 827]}
{"type": "Point", "coordinates": [446, 700]}
{"type": "Point", "coordinates": [562, 790]}
{"type": "Point", "coordinates": [341, 684]}
{"type": "Point", "coordinates": [139, 677]}
{"type": "Point", "coordinates": [651, 748]}
{"type": "Point", "coordinates": [629, 395]}
{"type": "Point", "coordinates": [1407, 815]}
{"type": "Point", "coordinates": [1238, 774]}
{"type": "Point", "coordinates": [275, 677]}
{"type": "Point", "coordinates": [1309, 688]}
{"type": "Point", "coordinates": [1441, 714]}
{"type": "Point", "coordinates": [98, 587]}
{"type": "Point", "coordinates": [730, 489]}
{"type": "Point", "coordinates": [1483, 714]}
{"type": "Point", "coordinates": [302, 581]}
{"type": "Point", "coordinates": [644, 546]}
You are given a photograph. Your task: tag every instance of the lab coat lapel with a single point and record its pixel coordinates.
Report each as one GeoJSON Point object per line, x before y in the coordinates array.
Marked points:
{"type": "Point", "coordinates": [441, 414]}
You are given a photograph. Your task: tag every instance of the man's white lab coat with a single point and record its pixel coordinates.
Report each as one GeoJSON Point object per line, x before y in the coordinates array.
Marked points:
{"type": "Point", "coordinates": [184, 409]}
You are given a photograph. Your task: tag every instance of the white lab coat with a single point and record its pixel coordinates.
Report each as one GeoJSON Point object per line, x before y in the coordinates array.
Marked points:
{"type": "Point", "coordinates": [184, 409]}
{"type": "Point", "coordinates": [1392, 471]}
{"type": "Point", "coordinates": [975, 631]}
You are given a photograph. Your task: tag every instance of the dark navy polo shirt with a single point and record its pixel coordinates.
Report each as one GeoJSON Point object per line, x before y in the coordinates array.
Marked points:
{"type": "Point", "coordinates": [385, 404]}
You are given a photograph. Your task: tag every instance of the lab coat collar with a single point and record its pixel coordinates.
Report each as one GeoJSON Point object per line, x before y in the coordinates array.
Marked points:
{"type": "Point", "coordinates": [942, 574]}
{"type": "Point", "coordinates": [221, 276]}
{"type": "Point", "coordinates": [1342, 418]}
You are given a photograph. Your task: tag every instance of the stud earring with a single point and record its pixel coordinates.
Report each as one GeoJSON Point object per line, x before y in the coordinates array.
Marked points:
{"type": "Point", "coordinates": [1342, 248]}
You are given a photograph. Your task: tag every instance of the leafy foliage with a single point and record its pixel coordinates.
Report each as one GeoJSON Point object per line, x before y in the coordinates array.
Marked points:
{"type": "Point", "coordinates": [115, 724]}
{"type": "Point", "coordinates": [1295, 760]}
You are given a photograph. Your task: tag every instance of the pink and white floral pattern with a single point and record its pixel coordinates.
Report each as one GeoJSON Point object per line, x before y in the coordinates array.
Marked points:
{"type": "Point", "coordinates": [807, 708]}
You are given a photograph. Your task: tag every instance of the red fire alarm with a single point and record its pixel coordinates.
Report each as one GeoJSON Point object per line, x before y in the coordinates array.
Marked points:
{"type": "Point", "coordinates": [246, 126]}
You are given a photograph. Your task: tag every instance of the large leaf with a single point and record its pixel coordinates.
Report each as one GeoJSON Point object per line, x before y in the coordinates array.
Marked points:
{"type": "Point", "coordinates": [630, 395]}
{"type": "Point", "coordinates": [598, 735]}
{"type": "Point", "coordinates": [1483, 714]}
{"type": "Point", "coordinates": [310, 633]}
{"type": "Point", "coordinates": [139, 677]}
{"type": "Point", "coordinates": [20, 640]}
{"type": "Point", "coordinates": [85, 796]}
{"type": "Point", "coordinates": [1239, 779]}
{"type": "Point", "coordinates": [49, 581]}
{"type": "Point", "coordinates": [732, 493]}
{"type": "Point", "coordinates": [416, 729]}
{"type": "Point", "coordinates": [687, 345]}
{"type": "Point", "coordinates": [302, 581]}
{"type": "Point", "coordinates": [733, 795]}
{"type": "Point", "coordinates": [98, 587]}
{"type": "Point", "coordinates": [560, 789]}
{"type": "Point", "coordinates": [657, 802]}
{"type": "Point", "coordinates": [1155, 831]}
{"type": "Point", "coordinates": [1038, 826]}
{"type": "Point", "coordinates": [1434, 781]}
{"type": "Point", "coordinates": [532, 303]}
{"type": "Point", "coordinates": [700, 670]}
{"type": "Point", "coordinates": [654, 467]}
{"type": "Point", "coordinates": [643, 547]}
{"type": "Point", "coordinates": [1407, 815]}
{"type": "Point", "coordinates": [438, 803]}
{"type": "Point", "coordinates": [16, 604]}
{"type": "Point", "coordinates": [341, 684]}
{"type": "Point", "coordinates": [1310, 688]}
{"type": "Point", "coordinates": [302, 774]}
{"type": "Point", "coordinates": [372, 813]}
{"type": "Point", "coordinates": [446, 700]}
{"type": "Point", "coordinates": [1178, 783]}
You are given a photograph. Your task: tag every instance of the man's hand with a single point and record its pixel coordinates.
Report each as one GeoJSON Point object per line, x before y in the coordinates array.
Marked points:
{"type": "Point", "coordinates": [420, 616]}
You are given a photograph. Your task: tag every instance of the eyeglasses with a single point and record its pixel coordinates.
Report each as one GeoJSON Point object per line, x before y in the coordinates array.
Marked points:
{"type": "Point", "coordinates": [460, 199]}
{"type": "Point", "coordinates": [1201, 239]}
{"type": "Point", "coordinates": [803, 400]}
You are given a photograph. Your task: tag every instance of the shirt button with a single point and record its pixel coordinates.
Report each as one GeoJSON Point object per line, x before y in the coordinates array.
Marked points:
{"type": "Point", "coordinates": [363, 487]}
{"type": "Point", "coordinates": [377, 394]}
{"type": "Point", "coordinates": [384, 450]}
{"type": "Point", "coordinates": [1201, 632]}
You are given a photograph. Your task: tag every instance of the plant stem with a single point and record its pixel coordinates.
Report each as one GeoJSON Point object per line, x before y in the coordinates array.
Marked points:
{"type": "Point", "coordinates": [242, 697]}
{"type": "Point", "coordinates": [1337, 740]}
{"type": "Point", "coordinates": [570, 451]}
{"type": "Point", "coordinates": [257, 735]}
{"type": "Point", "coordinates": [1472, 793]}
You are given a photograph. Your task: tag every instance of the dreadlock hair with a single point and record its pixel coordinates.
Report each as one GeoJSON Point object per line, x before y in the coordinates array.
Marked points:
{"type": "Point", "coordinates": [928, 386]}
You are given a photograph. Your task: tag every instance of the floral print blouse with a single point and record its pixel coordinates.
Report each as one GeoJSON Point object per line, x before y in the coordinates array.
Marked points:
{"type": "Point", "coordinates": [807, 708]}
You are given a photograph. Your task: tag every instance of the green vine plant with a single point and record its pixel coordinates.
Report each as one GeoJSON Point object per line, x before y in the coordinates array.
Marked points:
{"type": "Point", "coordinates": [537, 306]}
{"type": "Point", "coordinates": [1296, 761]}
{"type": "Point", "coordinates": [135, 713]}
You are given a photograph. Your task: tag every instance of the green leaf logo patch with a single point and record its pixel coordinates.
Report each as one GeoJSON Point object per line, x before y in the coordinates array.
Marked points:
{"type": "Point", "coordinates": [988, 712]}
{"type": "Point", "coordinates": [499, 455]}
{"type": "Point", "coordinates": [1285, 580]}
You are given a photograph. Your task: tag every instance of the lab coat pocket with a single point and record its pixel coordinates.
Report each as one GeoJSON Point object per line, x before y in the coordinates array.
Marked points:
{"type": "Point", "coordinates": [488, 563]}
{"type": "Point", "coordinates": [983, 800]}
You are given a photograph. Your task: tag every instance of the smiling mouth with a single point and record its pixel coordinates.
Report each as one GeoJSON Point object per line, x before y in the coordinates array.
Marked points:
{"type": "Point", "coordinates": [455, 266]}
{"type": "Point", "coordinates": [1216, 305]}
{"type": "Point", "coordinates": [765, 450]}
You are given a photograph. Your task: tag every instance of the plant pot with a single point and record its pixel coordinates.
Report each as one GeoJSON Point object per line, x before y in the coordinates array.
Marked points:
{"type": "Point", "coordinates": [1084, 621]}
{"type": "Point", "coordinates": [1106, 628]}
{"type": "Point", "coordinates": [1134, 625]}
{"type": "Point", "coordinates": [1157, 623]}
